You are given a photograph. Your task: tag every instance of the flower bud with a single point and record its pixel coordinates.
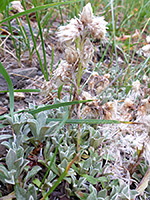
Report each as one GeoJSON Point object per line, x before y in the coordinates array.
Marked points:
{"type": "Point", "coordinates": [87, 14]}
{"type": "Point", "coordinates": [71, 55]}
{"type": "Point", "coordinates": [87, 53]}
{"type": "Point", "coordinates": [98, 28]}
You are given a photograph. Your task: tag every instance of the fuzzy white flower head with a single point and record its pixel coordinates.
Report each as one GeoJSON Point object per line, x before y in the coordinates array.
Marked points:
{"type": "Point", "coordinates": [70, 32]}
{"type": "Point", "coordinates": [98, 28]}
{"type": "Point", "coordinates": [87, 14]}
{"type": "Point", "coordinates": [136, 85]}
{"type": "Point", "coordinates": [87, 52]}
{"type": "Point", "coordinates": [63, 73]}
{"type": "Point", "coordinates": [71, 55]}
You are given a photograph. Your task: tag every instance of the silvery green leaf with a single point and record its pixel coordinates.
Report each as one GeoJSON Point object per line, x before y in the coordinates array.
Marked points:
{"type": "Point", "coordinates": [32, 191]}
{"type": "Point", "coordinates": [43, 132]}
{"type": "Point", "coordinates": [25, 116]}
{"type": "Point", "coordinates": [32, 173]}
{"type": "Point", "coordinates": [19, 171]}
{"type": "Point", "coordinates": [63, 165]}
{"type": "Point", "coordinates": [62, 155]}
{"type": "Point", "coordinates": [102, 193]}
{"type": "Point", "coordinates": [6, 144]}
{"type": "Point", "coordinates": [20, 152]}
{"type": "Point", "coordinates": [26, 129]}
{"type": "Point", "coordinates": [53, 126]}
{"type": "Point", "coordinates": [96, 140]}
{"type": "Point", "coordinates": [18, 163]}
{"type": "Point", "coordinates": [20, 193]}
{"type": "Point", "coordinates": [11, 177]}
{"type": "Point", "coordinates": [10, 181]}
{"type": "Point", "coordinates": [126, 192]}
{"type": "Point", "coordinates": [87, 164]}
{"type": "Point", "coordinates": [51, 176]}
{"type": "Point", "coordinates": [73, 180]}
{"type": "Point", "coordinates": [16, 118]}
{"type": "Point", "coordinates": [3, 172]}
{"type": "Point", "coordinates": [93, 194]}
{"type": "Point", "coordinates": [9, 120]}
{"type": "Point", "coordinates": [68, 179]}
{"type": "Point", "coordinates": [101, 198]}
{"type": "Point", "coordinates": [34, 127]}
{"type": "Point", "coordinates": [133, 194]}
{"type": "Point", "coordinates": [41, 119]}
{"type": "Point", "coordinates": [90, 179]}
{"type": "Point", "coordinates": [17, 127]}
{"type": "Point", "coordinates": [5, 136]}
{"type": "Point", "coordinates": [114, 193]}
{"type": "Point", "coordinates": [31, 198]}
{"type": "Point", "coordinates": [49, 147]}
{"type": "Point", "coordinates": [11, 157]}
{"type": "Point", "coordinates": [81, 181]}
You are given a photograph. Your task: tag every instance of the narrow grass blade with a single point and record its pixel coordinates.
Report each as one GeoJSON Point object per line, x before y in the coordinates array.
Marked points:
{"type": "Point", "coordinates": [37, 9]}
{"type": "Point", "coordinates": [34, 43]}
{"type": "Point", "coordinates": [48, 107]}
{"type": "Point", "coordinates": [10, 27]}
{"type": "Point", "coordinates": [42, 40]}
{"type": "Point", "coordinates": [24, 35]}
{"type": "Point", "coordinates": [10, 87]}
{"type": "Point", "coordinates": [90, 121]}
{"type": "Point", "coordinates": [22, 90]}
{"type": "Point", "coordinates": [52, 59]}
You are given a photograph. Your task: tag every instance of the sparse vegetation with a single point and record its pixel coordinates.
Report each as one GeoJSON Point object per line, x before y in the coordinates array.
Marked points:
{"type": "Point", "coordinates": [81, 128]}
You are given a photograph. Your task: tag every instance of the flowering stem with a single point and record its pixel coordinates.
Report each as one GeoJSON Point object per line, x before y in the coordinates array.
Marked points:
{"type": "Point", "coordinates": [79, 74]}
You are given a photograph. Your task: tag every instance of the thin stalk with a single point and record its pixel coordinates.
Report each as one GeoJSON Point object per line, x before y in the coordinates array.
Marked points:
{"type": "Point", "coordinates": [42, 40]}
{"type": "Point", "coordinates": [79, 74]}
{"type": "Point", "coordinates": [34, 43]}
{"type": "Point", "coordinates": [10, 27]}
{"type": "Point", "coordinates": [25, 36]}
{"type": "Point", "coordinates": [52, 59]}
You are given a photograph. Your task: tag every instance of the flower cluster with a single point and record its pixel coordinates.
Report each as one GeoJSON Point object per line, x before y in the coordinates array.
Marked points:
{"type": "Point", "coordinates": [76, 36]}
{"type": "Point", "coordinates": [86, 25]}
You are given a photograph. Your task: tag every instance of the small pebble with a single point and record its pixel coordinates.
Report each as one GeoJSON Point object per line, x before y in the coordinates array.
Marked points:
{"type": "Point", "coordinates": [5, 102]}
{"type": "Point", "coordinates": [39, 73]}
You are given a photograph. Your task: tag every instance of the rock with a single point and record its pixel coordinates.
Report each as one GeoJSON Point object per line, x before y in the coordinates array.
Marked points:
{"type": "Point", "coordinates": [3, 83]}
{"type": "Point", "coordinates": [5, 102]}
{"type": "Point", "coordinates": [39, 73]}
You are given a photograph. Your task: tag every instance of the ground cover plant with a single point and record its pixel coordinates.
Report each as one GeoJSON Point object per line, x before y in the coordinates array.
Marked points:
{"type": "Point", "coordinates": [77, 123]}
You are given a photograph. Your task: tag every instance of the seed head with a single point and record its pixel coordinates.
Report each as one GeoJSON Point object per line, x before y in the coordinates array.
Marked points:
{"type": "Point", "coordinates": [98, 28]}
{"type": "Point", "coordinates": [71, 55]}
{"type": "Point", "coordinates": [87, 14]}
{"type": "Point", "coordinates": [63, 73]}
{"type": "Point", "coordinates": [87, 52]}
{"type": "Point", "coordinates": [70, 32]}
